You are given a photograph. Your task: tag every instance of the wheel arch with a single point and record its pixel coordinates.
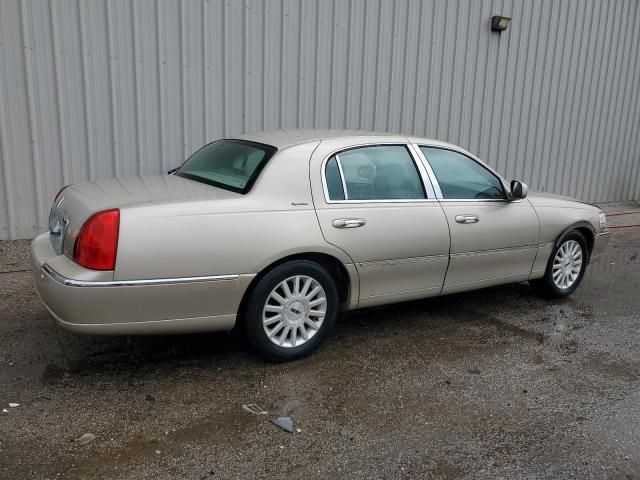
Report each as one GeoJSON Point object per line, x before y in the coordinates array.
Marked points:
{"type": "Point", "coordinates": [345, 281]}
{"type": "Point", "coordinates": [585, 228]}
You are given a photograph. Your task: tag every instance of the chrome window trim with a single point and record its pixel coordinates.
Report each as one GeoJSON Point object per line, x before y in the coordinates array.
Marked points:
{"type": "Point", "coordinates": [345, 192]}
{"type": "Point", "coordinates": [427, 185]}
{"type": "Point", "coordinates": [396, 200]}
{"type": "Point", "coordinates": [70, 282]}
{"type": "Point", "coordinates": [449, 200]}
{"type": "Point", "coordinates": [434, 179]}
{"type": "Point", "coordinates": [429, 171]}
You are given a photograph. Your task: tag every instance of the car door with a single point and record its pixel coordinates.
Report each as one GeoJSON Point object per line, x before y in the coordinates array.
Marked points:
{"type": "Point", "coordinates": [493, 240]}
{"type": "Point", "coordinates": [372, 201]}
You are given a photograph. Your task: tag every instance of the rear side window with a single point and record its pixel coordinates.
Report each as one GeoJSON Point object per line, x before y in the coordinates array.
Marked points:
{"type": "Point", "coordinates": [230, 164]}
{"type": "Point", "coordinates": [334, 180]}
{"type": "Point", "coordinates": [461, 177]}
{"type": "Point", "coordinates": [385, 172]}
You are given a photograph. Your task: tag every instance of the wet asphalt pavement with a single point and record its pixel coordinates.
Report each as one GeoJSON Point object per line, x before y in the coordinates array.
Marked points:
{"type": "Point", "coordinates": [491, 384]}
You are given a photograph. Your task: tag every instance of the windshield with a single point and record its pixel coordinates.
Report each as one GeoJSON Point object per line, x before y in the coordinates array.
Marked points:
{"type": "Point", "coordinates": [230, 164]}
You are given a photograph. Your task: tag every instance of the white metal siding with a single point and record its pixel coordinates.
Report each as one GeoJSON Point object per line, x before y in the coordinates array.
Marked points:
{"type": "Point", "coordinates": [92, 88]}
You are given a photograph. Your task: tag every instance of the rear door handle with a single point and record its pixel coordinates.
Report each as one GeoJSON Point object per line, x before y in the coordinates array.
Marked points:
{"type": "Point", "coordinates": [349, 222]}
{"type": "Point", "coordinates": [467, 219]}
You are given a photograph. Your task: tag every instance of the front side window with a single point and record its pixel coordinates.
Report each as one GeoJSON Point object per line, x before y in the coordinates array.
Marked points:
{"type": "Point", "coordinates": [461, 177]}
{"type": "Point", "coordinates": [229, 164]}
{"type": "Point", "coordinates": [385, 172]}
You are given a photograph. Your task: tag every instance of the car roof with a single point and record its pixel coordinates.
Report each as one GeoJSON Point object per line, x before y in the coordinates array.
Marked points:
{"type": "Point", "coordinates": [287, 138]}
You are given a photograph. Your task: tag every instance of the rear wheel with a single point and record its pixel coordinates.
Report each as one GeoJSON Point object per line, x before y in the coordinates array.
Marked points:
{"type": "Point", "coordinates": [565, 268]}
{"type": "Point", "coordinates": [291, 310]}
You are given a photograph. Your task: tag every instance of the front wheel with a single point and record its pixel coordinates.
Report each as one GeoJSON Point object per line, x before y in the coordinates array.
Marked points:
{"type": "Point", "coordinates": [565, 268]}
{"type": "Point", "coordinates": [291, 310]}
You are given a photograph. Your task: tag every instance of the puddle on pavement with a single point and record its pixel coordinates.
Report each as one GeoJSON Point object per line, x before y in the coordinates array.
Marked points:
{"type": "Point", "coordinates": [515, 330]}
{"type": "Point", "coordinates": [605, 364]}
{"type": "Point", "coordinates": [222, 428]}
{"type": "Point", "coordinates": [139, 356]}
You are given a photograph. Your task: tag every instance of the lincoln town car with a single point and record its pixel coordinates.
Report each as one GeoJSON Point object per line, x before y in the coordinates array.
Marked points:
{"type": "Point", "coordinates": [277, 232]}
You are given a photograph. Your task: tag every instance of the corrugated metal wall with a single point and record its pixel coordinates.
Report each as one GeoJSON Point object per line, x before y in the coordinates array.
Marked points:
{"type": "Point", "coordinates": [92, 88]}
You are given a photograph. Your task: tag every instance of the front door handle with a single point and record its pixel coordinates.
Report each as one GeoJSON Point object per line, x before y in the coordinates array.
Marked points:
{"type": "Point", "coordinates": [467, 219]}
{"type": "Point", "coordinates": [349, 222]}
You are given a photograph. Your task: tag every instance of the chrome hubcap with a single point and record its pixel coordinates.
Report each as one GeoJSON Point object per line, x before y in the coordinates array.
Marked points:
{"type": "Point", "coordinates": [567, 264]}
{"type": "Point", "coordinates": [294, 311]}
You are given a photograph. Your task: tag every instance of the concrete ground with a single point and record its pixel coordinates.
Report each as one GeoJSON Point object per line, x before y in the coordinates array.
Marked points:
{"type": "Point", "coordinates": [492, 384]}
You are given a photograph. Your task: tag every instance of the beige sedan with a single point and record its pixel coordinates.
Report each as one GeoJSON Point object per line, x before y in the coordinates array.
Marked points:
{"type": "Point", "coordinates": [278, 231]}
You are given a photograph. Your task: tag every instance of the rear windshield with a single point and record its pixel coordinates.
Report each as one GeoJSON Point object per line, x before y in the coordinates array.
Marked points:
{"type": "Point", "coordinates": [230, 164]}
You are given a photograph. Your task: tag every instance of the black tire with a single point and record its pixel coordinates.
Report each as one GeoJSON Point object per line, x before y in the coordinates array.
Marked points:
{"type": "Point", "coordinates": [545, 286]}
{"type": "Point", "coordinates": [252, 315]}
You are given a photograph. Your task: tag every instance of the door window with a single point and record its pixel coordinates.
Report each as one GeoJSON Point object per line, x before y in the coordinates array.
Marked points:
{"type": "Point", "coordinates": [334, 180]}
{"type": "Point", "coordinates": [385, 172]}
{"type": "Point", "coordinates": [461, 177]}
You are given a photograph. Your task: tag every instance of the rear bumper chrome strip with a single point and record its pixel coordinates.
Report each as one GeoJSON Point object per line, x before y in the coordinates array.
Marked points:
{"type": "Point", "coordinates": [70, 282]}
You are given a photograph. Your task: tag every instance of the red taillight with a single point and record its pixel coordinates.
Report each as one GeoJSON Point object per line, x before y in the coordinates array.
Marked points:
{"type": "Point", "coordinates": [97, 243]}
{"type": "Point", "coordinates": [55, 199]}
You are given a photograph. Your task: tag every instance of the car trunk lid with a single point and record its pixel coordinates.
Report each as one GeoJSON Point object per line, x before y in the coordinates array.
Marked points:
{"type": "Point", "coordinates": [76, 203]}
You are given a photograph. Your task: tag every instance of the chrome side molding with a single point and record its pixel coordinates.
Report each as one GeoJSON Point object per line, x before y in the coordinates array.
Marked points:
{"type": "Point", "coordinates": [70, 282]}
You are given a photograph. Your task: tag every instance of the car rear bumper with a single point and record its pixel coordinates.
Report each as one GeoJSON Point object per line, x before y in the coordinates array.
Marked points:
{"type": "Point", "coordinates": [82, 302]}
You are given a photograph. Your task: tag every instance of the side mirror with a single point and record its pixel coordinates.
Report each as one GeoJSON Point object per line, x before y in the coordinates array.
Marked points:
{"type": "Point", "coordinates": [173, 170]}
{"type": "Point", "coordinates": [518, 189]}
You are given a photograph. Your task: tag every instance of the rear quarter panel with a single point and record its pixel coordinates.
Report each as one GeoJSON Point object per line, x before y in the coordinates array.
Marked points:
{"type": "Point", "coordinates": [226, 236]}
